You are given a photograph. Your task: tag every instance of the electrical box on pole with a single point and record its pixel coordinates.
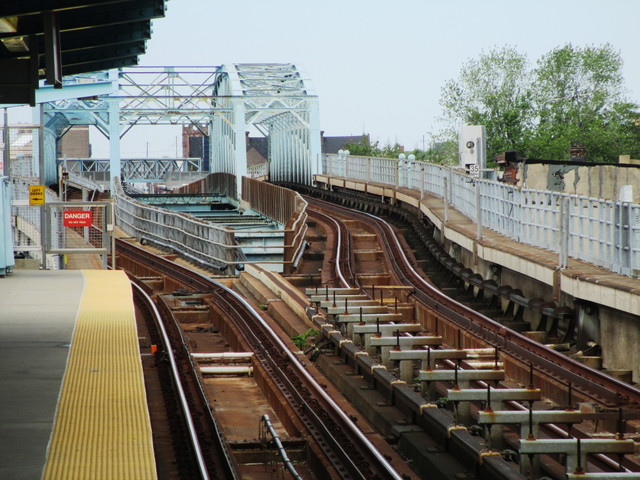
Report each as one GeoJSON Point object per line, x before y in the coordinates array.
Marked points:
{"type": "Point", "coordinates": [472, 148]}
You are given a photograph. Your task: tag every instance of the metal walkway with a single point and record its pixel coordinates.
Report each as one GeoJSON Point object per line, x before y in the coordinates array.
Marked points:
{"type": "Point", "coordinates": [258, 236]}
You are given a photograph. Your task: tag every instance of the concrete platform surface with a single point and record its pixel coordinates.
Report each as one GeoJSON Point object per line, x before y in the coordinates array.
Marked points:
{"type": "Point", "coordinates": [38, 310]}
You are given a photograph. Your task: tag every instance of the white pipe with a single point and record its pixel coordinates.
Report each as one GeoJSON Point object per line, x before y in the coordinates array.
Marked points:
{"type": "Point", "coordinates": [222, 355]}
{"type": "Point", "coordinates": [227, 370]}
{"type": "Point", "coordinates": [392, 474]}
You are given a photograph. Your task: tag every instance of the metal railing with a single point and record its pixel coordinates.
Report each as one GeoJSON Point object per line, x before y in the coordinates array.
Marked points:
{"type": "Point", "coordinates": [133, 170]}
{"type": "Point", "coordinates": [258, 171]}
{"type": "Point", "coordinates": [285, 207]}
{"type": "Point", "coordinates": [602, 232]}
{"type": "Point", "coordinates": [78, 227]}
{"type": "Point", "coordinates": [27, 220]}
{"type": "Point", "coordinates": [202, 241]}
{"type": "Point", "coordinates": [212, 244]}
{"type": "Point", "coordinates": [222, 183]}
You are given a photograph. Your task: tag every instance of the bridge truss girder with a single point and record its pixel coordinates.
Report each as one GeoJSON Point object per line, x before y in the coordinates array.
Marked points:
{"type": "Point", "coordinates": [225, 101]}
{"type": "Point", "coordinates": [135, 169]}
{"type": "Point", "coordinates": [279, 102]}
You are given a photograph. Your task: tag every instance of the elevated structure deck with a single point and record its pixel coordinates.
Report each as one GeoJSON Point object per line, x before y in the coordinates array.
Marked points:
{"type": "Point", "coordinates": [259, 237]}
{"type": "Point", "coordinates": [102, 428]}
{"type": "Point", "coordinates": [589, 287]}
{"type": "Point", "coordinates": [38, 311]}
{"type": "Point", "coordinates": [580, 279]}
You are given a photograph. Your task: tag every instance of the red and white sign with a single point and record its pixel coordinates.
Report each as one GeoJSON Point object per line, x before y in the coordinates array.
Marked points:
{"type": "Point", "coordinates": [77, 218]}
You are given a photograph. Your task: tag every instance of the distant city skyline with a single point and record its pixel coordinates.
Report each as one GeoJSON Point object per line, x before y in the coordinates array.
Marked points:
{"type": "Point", "coordinates": [377, 66]}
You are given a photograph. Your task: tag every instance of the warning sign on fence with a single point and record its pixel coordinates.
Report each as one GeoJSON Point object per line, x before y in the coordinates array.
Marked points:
{"type": "Point", "coordinates": [36, 194]}
{"type": "Point", "coordinates": [77, 218]}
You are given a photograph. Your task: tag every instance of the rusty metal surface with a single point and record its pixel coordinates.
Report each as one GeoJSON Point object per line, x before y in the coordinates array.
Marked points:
{"type": "Point", "coordinates": [349, 452]}
{"type": "Point", "coordinates": [520, 350]}
{"type": "Point", "coordinates": [546, 362]}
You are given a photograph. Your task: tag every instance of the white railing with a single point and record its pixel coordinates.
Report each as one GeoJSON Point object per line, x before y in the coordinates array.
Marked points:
{"type": "Point", "coordinates": [603, 232]}
{"type": "Point", "coordinates": [258, 171]}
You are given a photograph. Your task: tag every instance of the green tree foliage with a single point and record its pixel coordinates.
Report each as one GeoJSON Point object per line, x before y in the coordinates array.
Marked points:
{"type": "Point", "coordinates": [493, 91]}
{"type": "Point", "coordinates": [366, 149]}
{"type": "Point", "coordinates": [443, 151]}
{"type": "Point", "coordinates": [362, 149]}
{"type": "Point", "coordinates": [579, 100]}
{"type": "Point", "coordinates": [572, 96]}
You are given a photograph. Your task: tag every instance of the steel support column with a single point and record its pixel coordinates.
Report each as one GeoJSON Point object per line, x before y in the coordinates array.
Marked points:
{"type": "Point", "coordinates": [239, 161]}
{"type": "Point", "coordinates": [114, 139]}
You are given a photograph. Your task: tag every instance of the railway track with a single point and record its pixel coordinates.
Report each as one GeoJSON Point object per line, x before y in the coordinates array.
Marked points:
{"type": "Point", "coordinates": [208, 459]}
{"type": "Point", "coordinates": [526, 361]}
{"type": "Point", "coordinates": [527, 358]}
{"type": "Point", "coordinates": [546, 363]}
{"type": "Point", "coordinates": [345, 448]}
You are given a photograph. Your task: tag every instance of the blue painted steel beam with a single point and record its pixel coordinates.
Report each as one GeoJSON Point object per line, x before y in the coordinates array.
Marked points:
{"type": "Point", "coordinates": [6, 237]}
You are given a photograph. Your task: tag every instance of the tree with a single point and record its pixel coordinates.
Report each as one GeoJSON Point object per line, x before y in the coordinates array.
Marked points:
{"type": "Point", "coordinates": [572, 96]}
{"type": "Point", "coordinates": [367, 149]}
{"type": "Point", "coordinates": [493, 91]}
{"type": "Point", "coordinates": [579, 99]}
{"type": "Point", "coordinates": [363, 149]}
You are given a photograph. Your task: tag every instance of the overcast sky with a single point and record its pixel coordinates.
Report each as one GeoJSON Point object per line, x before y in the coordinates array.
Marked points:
{"type": "Point", "coordinates": [378, 65]}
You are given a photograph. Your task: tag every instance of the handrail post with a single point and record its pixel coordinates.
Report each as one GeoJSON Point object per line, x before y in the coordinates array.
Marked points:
{"type": "Point", "coordinates": [478, 213]}
{"type": "Point", "coordinates": [445, 197]}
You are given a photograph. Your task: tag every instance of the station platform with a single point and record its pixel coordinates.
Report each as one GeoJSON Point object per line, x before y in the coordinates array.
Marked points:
{"type": "Point", "coordinates": [73, 403]}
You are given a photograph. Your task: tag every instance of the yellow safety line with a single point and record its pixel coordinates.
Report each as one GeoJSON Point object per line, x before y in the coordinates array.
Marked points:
{"type": "Point", "coordinates": [102, 428]}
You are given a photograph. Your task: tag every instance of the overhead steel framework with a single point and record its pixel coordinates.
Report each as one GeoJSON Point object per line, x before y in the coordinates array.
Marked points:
{"type": "Point", "coordinates": [279, 102]}
{"type": "Point", "coordinates": [134, 170]}
{"type": "Point", "coordinates": [49, 39]}
{"type": "Point", "coordinates": [223, 101]}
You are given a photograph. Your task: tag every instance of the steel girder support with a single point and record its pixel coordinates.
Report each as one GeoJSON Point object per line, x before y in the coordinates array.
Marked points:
{"type": "Point", "coordinates": [49, 176]}
{"type": "Point", "coordinates": [279, 102]}
{"type": "Point", "coordinates": [134, 170]}
{"type": "Point", "coordinates": [291, 156]}
{"type": "Point", "coordinates": [239, 166]}
{"type": "Point", "coordinates": [63, 109]}
{"type": "Point", "coordinates": [229, 99]}
{"type": "Point", "coordinates": [315, 147]}
{"type": "Point", "coordinates": [225, 147]}
{"type": "Point", "coordinates": [114, 139]}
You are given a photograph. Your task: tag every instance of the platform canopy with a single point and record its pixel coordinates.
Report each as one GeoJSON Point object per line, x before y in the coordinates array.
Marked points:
{"type": "Point", "coordinates": [50, 39]}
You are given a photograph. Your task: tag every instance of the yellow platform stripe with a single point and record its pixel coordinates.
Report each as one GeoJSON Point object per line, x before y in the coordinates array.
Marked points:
{"type": "Point", "coordinates": [102, 428]}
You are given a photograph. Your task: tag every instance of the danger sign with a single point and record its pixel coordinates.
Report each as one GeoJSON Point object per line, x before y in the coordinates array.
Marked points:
{"type": "Point", "coordinates": [77, 218]}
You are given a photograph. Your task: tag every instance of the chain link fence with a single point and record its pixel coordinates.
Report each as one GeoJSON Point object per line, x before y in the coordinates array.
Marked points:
{"type": "Point", "coordinates": [69, 227]}
{"type": "Point", "coordinates": [77, 227]}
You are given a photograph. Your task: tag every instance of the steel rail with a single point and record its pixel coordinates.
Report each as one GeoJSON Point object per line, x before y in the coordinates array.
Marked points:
{"type": "Point", "coordinates": [342, 238]}
{"type": "Point", "coordinates": [184, 404]}
{"type": "Point", "coordinates": [602, 458]}
{"type": "Point", "coordinates": [592, 383]}
{"type": "Point", "coordinates": [267, 347]}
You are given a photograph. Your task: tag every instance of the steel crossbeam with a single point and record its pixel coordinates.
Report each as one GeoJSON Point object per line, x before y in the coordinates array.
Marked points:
{"type": "Point", "coordinates": [222, 102]}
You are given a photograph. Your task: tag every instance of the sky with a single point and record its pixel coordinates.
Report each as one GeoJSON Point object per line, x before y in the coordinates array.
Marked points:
{"type": "Point", "coordinates": [378, 66]}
